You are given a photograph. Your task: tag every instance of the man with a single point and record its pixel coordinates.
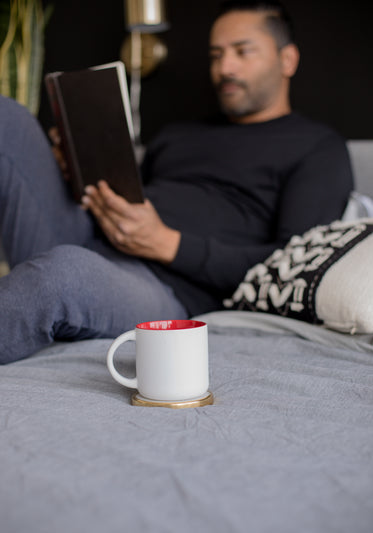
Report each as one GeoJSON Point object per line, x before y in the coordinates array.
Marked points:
{"type": "Point", "coordinates": [222, 195]}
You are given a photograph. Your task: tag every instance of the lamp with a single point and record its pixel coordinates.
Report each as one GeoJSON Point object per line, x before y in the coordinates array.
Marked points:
{"type": "Point", "coordinates": [148, 16]}
{"type": "Point", "coordinates": [142, 51]}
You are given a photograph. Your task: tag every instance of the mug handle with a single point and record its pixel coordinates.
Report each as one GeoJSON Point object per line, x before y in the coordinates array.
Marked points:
{"type": "Point", "coordinates": [127, 382]}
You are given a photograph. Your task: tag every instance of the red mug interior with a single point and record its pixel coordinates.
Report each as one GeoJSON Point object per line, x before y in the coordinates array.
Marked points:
{"type": "Point", "coordinates": [164, 325]}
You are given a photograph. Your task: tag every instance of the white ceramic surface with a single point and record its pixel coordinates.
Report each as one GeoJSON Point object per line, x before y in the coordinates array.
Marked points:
{"type": "Point", "coordinates": [171, 359]}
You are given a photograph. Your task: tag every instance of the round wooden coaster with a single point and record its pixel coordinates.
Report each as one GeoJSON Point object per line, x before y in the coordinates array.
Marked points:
{"type": "Point", "coordinates": [207, 399]}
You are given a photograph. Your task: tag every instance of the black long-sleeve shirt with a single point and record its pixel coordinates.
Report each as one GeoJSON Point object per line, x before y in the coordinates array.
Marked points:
{"type": "Point", "coordinates": [238, 192]}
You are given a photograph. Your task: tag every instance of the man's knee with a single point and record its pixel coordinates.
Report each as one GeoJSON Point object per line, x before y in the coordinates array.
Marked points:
{"type": "Point", "coordinates": [69, 259]}
{"type": "Point", "coordinates": [62, 269]}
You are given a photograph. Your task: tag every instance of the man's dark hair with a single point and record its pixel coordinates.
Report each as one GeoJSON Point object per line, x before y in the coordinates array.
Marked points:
{"type": "Point", "coordinates": [277, 18]}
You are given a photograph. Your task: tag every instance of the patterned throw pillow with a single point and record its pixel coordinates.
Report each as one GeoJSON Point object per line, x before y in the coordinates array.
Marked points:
{"type": "Point", "coordinates": [324, 277]}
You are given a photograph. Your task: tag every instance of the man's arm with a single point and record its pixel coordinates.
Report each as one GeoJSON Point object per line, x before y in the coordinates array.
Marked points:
{"type": "Point", "coordinates": [315, 192]}
{"type": "Point", "coordinates": [135, 229]}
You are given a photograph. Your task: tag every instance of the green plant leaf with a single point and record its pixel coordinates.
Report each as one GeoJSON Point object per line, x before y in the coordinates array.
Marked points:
{"type": "Point", "coordinates": [8, 78]}
{"type": "Point", "coordinates": [48, 12]}
{"type": "Point", "coordinates": [36, 60]}
{"type": "Point", "coordinates": [22, 27]}
{"type": "Point", "coordinates": [4, 19]}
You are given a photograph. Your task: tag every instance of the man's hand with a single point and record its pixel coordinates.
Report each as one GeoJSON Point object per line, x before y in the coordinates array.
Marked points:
{"type": "Point", "coordinates": [55, 137]}
{"type": "Point", "coordinates": [135, 229]}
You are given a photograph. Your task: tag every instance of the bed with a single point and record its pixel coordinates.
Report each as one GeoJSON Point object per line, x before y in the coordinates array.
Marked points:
{"type": "Point", "coordinates": [287, 445]}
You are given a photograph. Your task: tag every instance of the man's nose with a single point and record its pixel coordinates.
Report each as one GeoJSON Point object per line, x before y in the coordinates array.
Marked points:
{"type": "Point", "coordinates": [228, 64]}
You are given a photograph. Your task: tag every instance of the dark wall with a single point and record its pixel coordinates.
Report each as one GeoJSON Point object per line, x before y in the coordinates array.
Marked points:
{"type": "Point", "coordinates": [334, 82]}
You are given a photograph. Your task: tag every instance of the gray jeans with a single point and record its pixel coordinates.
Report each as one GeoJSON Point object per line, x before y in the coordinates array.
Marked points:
{"type": "Point", "coordinates": [66, 282]}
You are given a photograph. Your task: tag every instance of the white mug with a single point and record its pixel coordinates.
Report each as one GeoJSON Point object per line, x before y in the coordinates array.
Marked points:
{"type": "Point", "coordinates": [171, 360]}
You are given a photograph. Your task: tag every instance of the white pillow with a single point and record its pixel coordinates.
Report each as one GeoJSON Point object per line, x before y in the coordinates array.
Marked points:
{"type": "Point", "coordinates": [324, 277]}
{"type": "Point", "coordinates": [344, 298]}
{"type": "Point", "coordinates": [358, 206]}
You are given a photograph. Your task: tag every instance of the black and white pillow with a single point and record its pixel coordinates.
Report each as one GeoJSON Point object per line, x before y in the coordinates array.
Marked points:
{"type": "Point", "coordinates": [324, 277]}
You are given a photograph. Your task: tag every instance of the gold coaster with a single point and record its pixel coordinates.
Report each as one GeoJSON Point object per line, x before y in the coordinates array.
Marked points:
{"type": "Point", "coordinates": [201, 401]}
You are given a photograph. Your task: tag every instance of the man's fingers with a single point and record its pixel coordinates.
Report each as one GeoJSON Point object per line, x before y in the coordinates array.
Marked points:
{"type": "Point", "coordinates": [59, 158]}
{"type": "Point", "coordinates": [92, 199]}
{"type": "Point", "coordinates": [98, 204]}
{"type": "Point", "coordinates": [114, 201]}
{"type": "Point", "coordinates": [54, 135]}
{"type": "Point", "coordinates": [58, 153]}
{"type": "Point", "coordinates": [108, 222]}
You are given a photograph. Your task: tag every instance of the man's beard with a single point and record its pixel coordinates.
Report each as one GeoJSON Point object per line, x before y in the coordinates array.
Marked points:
{"type": "Point", "coordinates": [247, 104]}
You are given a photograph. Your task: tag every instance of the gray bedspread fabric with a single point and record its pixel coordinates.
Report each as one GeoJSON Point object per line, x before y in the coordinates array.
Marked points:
{"type": "Point", "coordinates": [286, 448]}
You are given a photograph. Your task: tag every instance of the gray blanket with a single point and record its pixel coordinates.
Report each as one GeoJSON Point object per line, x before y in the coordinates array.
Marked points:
{"type": "Point", "coordinates": [287, 447]}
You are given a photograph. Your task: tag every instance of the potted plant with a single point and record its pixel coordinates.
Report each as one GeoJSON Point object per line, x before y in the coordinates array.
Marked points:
{"type": "Point", "coordinates": [22, 26]}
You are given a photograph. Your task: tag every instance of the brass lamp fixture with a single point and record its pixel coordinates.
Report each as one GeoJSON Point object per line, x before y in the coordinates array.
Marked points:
{"type": "Point", "coordinates": [142, 51]}
{"type": "Point", "coordinates": [148, 16]}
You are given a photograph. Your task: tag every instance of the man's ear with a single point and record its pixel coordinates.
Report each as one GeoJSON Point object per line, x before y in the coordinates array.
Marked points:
{"type": "Point", "coordinates": [290, 60]}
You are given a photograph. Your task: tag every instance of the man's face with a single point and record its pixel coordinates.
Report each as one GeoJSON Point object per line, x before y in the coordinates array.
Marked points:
{"type": "Point", "coordinates": [246, 66]}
